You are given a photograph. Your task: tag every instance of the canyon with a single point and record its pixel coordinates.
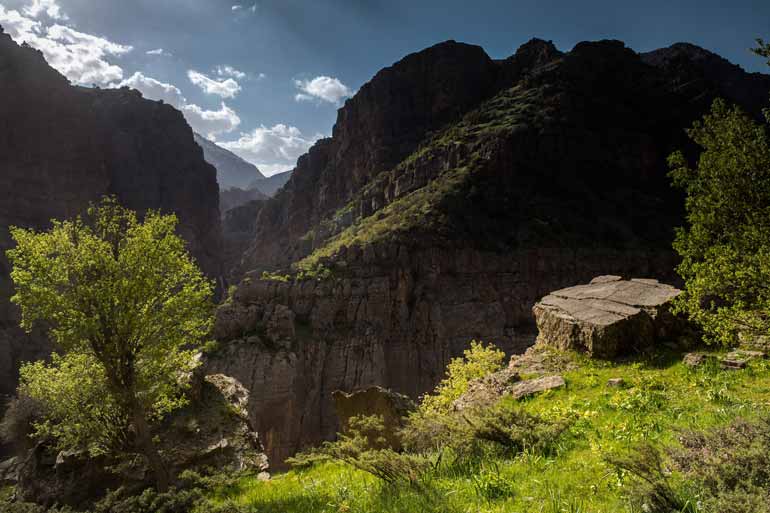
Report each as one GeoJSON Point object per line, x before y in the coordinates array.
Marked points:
{"type": "Point", "coordinates": [455, 191]}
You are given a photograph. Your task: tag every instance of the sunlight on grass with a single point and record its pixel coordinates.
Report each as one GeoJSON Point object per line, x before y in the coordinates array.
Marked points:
{"type": "Point", "coordinates": [660, 398]}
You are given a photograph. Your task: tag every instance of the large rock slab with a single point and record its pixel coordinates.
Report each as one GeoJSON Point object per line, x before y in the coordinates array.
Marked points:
{"type": "Point", "coordinates": [607, 317]}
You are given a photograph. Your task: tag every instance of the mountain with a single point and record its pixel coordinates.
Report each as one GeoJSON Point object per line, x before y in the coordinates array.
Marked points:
{"type": "Point", "coordinates": [235, 197]}
{"type": "Point", "coordinates": [232, 170]}
{"type": "Point", "coordinates": [455, 191]}
{"type": "Point", "coordinates": [62, 147]}
{"type": "Point", "coordinates": [270, 184]}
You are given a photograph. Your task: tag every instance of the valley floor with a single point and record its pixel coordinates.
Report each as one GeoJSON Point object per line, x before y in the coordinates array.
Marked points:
{"type": "Point", "coordinates": [661, 398]}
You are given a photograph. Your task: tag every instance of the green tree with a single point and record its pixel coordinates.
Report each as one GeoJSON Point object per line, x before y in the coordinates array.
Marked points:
{"type": "Point", "coordinates": [725, 248]}
{"type": "Point", "coordinates": [129, 310]}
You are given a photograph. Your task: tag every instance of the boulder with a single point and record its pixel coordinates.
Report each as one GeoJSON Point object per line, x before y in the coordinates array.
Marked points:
{"type": "Point", "coordinates": [487, 390]}
{"type": "Point", "coordinates": [392, 407]}
{"type": "Point", "coordinates": [608, 317]}
{"type": "Point", "coordinates": [695, 359]}
{"type": "Point", "coordinates": [536, 386]}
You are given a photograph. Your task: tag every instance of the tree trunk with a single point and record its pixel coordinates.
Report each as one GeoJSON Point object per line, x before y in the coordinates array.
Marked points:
{"type": "Point", "coordinates": [147, 447]}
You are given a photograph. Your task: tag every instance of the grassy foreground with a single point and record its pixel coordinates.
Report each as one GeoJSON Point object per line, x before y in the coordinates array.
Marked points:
{"type": "Point", "coordinates": [661, 399]}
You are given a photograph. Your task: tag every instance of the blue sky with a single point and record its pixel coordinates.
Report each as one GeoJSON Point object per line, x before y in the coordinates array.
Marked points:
{"type": "Point", "coordinates": [265, 77]}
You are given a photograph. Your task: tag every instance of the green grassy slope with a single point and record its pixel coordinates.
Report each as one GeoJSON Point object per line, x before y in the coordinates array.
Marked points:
{"type": "Point", "coordinates": [661, 398]}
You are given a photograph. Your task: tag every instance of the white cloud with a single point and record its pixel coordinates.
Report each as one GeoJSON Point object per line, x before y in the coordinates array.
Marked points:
{"type": "Point", "coordinates": [211, 122]}
{"type": "Point", "coordinates": [323, 88]}
{"type": "Point", "coordinates": [223, 88]}
{"type": "Point", "coordinates": [154, 89]}
{"type": "Point", "coordinates": [229, 71]}
{"type": "Point", "coordinates": [49, 7]}
{"type": "Point", "coordinates": [272, 149]}
{"type": "Point", "coordinates": [207, 122]}
{"type": "Point", "coordinates": [236, 7]}
{"type": "Point", "coordinates": [80, 57]}
{"type": "Point", "coordinates": [159, 52]}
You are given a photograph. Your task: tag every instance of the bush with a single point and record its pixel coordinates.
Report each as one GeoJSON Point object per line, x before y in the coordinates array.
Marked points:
{"type": "Point", "coordinates": [726, 470]}
{"type": "Point", "coordinates": [359, 447]}
{"type": "Point", "coordinates": [503, 429]}
{"type": "Point", "coordinates": [477, 361]}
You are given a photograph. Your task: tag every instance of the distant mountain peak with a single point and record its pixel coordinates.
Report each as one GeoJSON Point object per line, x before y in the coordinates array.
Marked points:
{"type": "Point", "coordinates": [232, 170]}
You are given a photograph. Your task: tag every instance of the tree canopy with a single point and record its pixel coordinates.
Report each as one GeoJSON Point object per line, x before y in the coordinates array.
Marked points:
{"type": "Point", "coordinates": [129, 311]}
{"type": "Point", "coordinates": [725, 248]}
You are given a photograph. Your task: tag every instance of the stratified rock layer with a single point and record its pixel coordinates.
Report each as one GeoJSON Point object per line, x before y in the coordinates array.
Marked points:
{"type": "Point", "coordinates": [607, 317]}
{"type": "Point", "coordinates": [62, 147]}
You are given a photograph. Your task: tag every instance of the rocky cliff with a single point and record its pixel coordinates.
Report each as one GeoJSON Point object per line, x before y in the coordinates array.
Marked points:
{"type": "Point", "coordinates": [455, 192]}
{"type": "Point", "coordinates": [62, 147]}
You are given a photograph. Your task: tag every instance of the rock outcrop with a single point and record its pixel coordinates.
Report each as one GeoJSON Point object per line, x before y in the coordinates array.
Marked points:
{"type": "Point", "coordinates": [608, 317]}
{"type": "Point", "coordinates": [213, 431]}
{"type": "Point", "coordinates": [390, 406]}
{"type": "Point", "coordinates": [62, 147]}
{"type": "Point", "coordinates": [454, 193]}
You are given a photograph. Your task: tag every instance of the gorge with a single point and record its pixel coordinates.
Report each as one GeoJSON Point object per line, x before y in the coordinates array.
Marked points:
{"type": "Point", "coordinates": [454, 192]}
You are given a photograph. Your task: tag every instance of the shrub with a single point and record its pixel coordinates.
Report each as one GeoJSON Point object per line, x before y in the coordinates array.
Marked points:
{"type": "Point", "coordinates": [477, 361]}
{"type": "Point", "coordinates": [359, 448]}
{"type": "Point", "coordinates": [727, 469]}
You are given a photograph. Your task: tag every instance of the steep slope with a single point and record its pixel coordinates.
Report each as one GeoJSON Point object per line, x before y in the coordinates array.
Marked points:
{"type": "Point", "coordinates": [235, 197]}
{"type": "Point", "coordinates": [454, 192]}
{"type": "Point", "coordinates": [63, 146]}
{"type": "Point", "coordinates": [232, 170]}
{"type": "Point", "coordinates": [270, 184]}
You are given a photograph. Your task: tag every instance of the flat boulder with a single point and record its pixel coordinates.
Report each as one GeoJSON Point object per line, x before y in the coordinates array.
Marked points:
{"type": "Point", "coordinates": [608, 317]}
{"type": "Point", "coordinates": [385, 403]}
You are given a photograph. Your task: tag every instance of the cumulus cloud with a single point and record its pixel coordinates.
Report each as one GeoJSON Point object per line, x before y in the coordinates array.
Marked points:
{"type": "Point", "coordinates": [154, 89]}
{"type": "Point", "coordinates": [223, 88]}
{"type": "Point", "coordinates": [323, 88]}
{"type": "Point", "coordinates": [207, 122]}
{"type": "Point", "coordinates": [272, 149]}
{"type": "Point", "coordinates": [48, 7]}
{"type": "Point", "coordinates": [229, 71]}
{"type": "Point", "coordinates": [159, 52]}
{"type": "Point", "coordinates": [211, 122]}
{"type": "Point", "coordinates": [80, 57]}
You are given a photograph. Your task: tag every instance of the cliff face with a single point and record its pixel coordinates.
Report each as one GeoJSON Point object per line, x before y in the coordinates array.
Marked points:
{"type": "Point", "coordinates": [454, 192]}
{"type": "Point", "coordinates": [62, 147]}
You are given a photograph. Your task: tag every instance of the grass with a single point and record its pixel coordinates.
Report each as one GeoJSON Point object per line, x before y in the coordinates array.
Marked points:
{"type": "Point", "coordinates": [661, 397]}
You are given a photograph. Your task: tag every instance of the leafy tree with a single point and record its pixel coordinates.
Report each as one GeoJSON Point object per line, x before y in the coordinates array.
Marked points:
{"type": "Point", "coordinates": [725, 248]}
{"type": "Point", "coordinates": [129, 310]}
